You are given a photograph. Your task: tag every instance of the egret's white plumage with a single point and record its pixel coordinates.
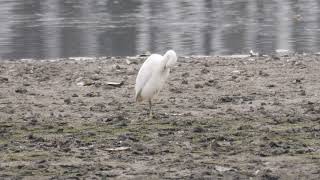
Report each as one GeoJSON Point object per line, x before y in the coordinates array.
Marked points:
{"type": "Point", "coordinates": [152, 76]}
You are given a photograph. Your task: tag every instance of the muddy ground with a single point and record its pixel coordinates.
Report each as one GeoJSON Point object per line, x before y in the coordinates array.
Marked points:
{"type": "Point", "coordinates": [217, 118]}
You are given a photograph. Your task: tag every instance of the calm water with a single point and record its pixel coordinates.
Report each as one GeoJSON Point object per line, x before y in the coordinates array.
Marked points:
{"type": "Point", "coordinates": [64, 28]}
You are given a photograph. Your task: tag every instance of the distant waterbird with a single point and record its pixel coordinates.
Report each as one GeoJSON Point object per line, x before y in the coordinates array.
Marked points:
{"type": "Point", "coordinates": [152, 76]}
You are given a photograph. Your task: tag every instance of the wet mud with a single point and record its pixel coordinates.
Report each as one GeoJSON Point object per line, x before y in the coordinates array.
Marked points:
{"type": "Point", "coordinates": [216, 118]}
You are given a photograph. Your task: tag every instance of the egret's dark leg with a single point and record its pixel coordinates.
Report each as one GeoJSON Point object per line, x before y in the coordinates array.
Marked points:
{"type": "Point", "coordinates": [150, 109]}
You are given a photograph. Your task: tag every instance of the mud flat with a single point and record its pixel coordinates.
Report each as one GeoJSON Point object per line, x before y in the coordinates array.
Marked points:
{"type": "Point", "coordinates": [218, 117]}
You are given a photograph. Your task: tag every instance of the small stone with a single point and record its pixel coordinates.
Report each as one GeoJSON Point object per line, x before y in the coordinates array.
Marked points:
{"type": "Point", "coordinates": [92, 134]}
{"type": "Point", "coordinates": [297, 81]}
{"type": "Point", "coordinates": [99, 107]}
{"type": "Point", "coordinates": [211, 82]}
{"type": "Point", "coordinates": [175, 90]}
{"type": "Point", "coordinates": [184, 81]}
{"type": "Point", "coordinates": [30, 136]}
{"type": "Point", "coordinates": [80, 83]}
{"type": "Point", "coordinates": [276, 103]}
{"type": "Point", "coordinates": [21, 90]}
{"type": "Point", "coordinates": [117, 67]}
{"type": "Point", "coordinates": [236, 72]}
{"type": "Point", "coordinates": [225, 99]}
{"type": "Point", "coordinates": [88, 83]}
{"type": "Point", "coordinates": [41, 161]}
{"type": "Point", "coordinates": [165, 106]}
{"type": "Point", "coordinates": [85, 83]}
{"type": "Point", "coordinates": [222, 169]}
{"type": "Point", "coordinates": [92, 94]}
{"type": "Point", "coordinates": [310, 102]}
{"type": "Point", "coordinates": [303, 93]}
{"type": "Point", "coordinates": [67, 101]}
{"type": "Point", "coordinates": [197, 86]}
{"type": "Point", "coordinates": [205, 71]}
{"type": "Point", "coordinates": [20, 166]}
{"type": "Point", "coordinates": [198, 129]}
{"type": "Point", "coordinates": [115, 84]}
{"type": "Point", "coordinates": [186, 74]}
{"type": "Point", "coordinates": [264, 74]}
{"type": "Point", "coordinates": [4, 79]}
{"type": "Point", "coordinates": [271, 85]}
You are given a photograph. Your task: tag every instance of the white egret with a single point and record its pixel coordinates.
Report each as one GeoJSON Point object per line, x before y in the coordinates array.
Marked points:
{"type": "Point", "coordinates": [152, 76]}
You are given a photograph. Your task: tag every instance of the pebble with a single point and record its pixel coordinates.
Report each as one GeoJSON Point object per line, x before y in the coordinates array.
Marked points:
{"type": "Point", "coordinates": [198, 129]}
{"type": "Point", "coordinates": [236, 72]}
{"type": "Point", "coordinates": [270, 85]}
{"type": "Point", "coordinates": [222, 168]}
{"type": "Point", "coordinates": [262, 73]}
{"type": "Point", "coordinates": [85, 83]}
{"type": "Point", "coordinates": [186, 74]}
{"type": "Point", "coordinates": [92, 94]}
{"type": "Point", "coordinates": [115, 84]}
{"type": "Point", "coordinates": [99, 107]}
{"type": "Point", "coordinates": [205, 71]}
{"type": "Point", "coordinates": [197, 86]}
{"type": "Point", "coordinates": [303, 93]}
{"type": "Point", "coordinates": [3, 79]}
{"type": "Point", "coordinates": [67, 101]}
{"type": "Point", "coordinates": [184, 81]}
{"type": "Point", "coordinates": [21, 90]}
{"type": "Point", "coordinates": [225, 99]}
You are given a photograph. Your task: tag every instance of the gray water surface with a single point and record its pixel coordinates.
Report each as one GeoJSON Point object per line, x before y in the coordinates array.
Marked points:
{"type": "Point", "coordinates": [64, 28]}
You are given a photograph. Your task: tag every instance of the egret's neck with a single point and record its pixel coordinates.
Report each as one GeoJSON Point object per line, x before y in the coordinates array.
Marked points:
{"type": "Point", "coordinates": [170, 58]}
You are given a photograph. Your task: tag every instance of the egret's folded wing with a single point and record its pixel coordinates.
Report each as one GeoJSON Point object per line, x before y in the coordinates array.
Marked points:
{"type": "Point", "coordinates": [143, 77]}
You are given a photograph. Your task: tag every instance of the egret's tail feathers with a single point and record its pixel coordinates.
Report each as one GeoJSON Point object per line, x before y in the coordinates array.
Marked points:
{"type": "Point", "coordinates": [138, 97]}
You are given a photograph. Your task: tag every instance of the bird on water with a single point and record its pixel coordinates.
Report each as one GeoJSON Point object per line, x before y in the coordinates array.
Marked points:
{"type": "Point", "coordinates": [152, 76]}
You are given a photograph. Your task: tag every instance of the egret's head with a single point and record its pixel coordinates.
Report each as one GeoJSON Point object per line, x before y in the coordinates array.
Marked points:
{"type": "Point", "coordinates": [172, 58]}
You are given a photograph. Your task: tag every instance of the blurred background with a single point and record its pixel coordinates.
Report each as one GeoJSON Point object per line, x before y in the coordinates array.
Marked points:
{"type": "Point", "coordinates": [64, 28]}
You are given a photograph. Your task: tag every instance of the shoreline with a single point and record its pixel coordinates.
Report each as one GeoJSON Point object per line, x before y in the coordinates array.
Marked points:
{"type": "Point", "coordinates": [279, 53]}
{"type": "Point", "coordinates": [249, 117]}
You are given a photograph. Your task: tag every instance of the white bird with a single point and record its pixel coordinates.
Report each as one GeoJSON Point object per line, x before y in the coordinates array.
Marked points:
{"type": "Point", "coordinates": [152, 76]}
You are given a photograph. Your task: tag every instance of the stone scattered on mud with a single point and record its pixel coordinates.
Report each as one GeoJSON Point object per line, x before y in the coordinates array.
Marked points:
{"type": "Point", "coordinates": [4, 79]}
{"type": "Point", "coordinates": [222, 169]}
{"type": "Point", "coordinates": [115, 84]}
{"type": "Point", "coordinates": [99, 107]}
{"type": "Point", "coordinates": [21, 90]}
